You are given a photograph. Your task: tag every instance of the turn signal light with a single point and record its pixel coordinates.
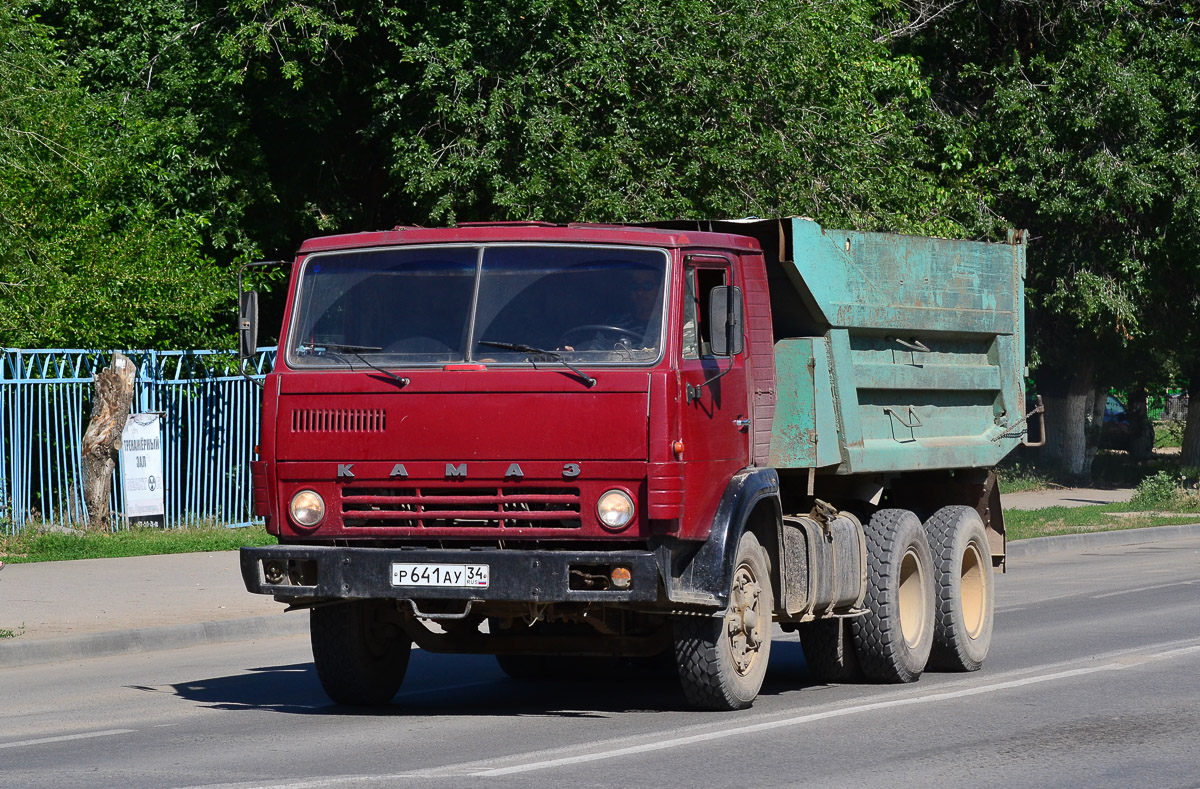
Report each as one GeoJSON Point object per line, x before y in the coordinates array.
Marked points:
{"type": "Point", "coordinates": [621, 578]}
{"type": "Point", "coordinates": [677, 447]}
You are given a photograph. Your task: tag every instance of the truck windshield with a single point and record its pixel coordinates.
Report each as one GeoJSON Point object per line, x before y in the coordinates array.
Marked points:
{"type": "Point", "coordinates": [439, 305]}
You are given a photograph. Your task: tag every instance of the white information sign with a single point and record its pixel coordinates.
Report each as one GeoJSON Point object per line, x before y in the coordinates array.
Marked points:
{"type": "Point", "coordinates": [142, 465]}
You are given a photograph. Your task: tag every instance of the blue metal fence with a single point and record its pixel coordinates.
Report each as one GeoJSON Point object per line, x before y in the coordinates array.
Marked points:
{"type": "Point", "coordinates": [210, 423]}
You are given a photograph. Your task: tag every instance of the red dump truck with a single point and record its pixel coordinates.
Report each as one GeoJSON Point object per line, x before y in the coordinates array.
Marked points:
{"type": "Point", "coordinates": [572, 444]}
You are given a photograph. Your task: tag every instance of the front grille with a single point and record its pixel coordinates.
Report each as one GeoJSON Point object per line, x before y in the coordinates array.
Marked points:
{"type": "Point", "coordinates": [339, 420]}
{"type": "Point", "coordinates": [456, 507]}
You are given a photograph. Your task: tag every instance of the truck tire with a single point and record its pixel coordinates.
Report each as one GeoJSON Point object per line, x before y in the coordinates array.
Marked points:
{"type": "Point", "coordinates": [965, 595]}
{"type": "Point", "coordinates": [893, 638]}
{"type": "Point", "coordinates": [360, 656]}
{"type": "Point", "coordinates": [722, 660]}
{"type": "Point", "coordinates": [829, 650]}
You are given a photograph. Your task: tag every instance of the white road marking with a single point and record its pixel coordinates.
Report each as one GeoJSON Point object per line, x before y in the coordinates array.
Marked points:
{"type": "Point", "coordinates": [1043, 602]}
{"type": "Point", "coordinates": [66, 738]}
{"type": "Point", "coordinates": [1144, 589]}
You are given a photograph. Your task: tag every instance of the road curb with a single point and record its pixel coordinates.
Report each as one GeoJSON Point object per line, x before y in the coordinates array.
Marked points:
{"type": "Point", "coordinates": [1037, 546]}
{"type": "Point", "coordinates": [18, 652]}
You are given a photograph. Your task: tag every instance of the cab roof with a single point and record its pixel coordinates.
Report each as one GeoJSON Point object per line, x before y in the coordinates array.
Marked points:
{"type": "Point", "coordinates": [543, 232]}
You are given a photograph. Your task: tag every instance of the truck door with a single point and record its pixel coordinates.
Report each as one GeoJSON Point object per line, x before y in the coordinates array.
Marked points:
{"type": "Point", "coordinates": [715, 423]}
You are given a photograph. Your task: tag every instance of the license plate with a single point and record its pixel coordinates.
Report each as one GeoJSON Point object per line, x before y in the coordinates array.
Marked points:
{"type": "Point", "coordinates": [472, 576]}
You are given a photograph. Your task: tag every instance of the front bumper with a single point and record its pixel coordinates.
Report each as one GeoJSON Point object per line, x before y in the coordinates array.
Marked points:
{"type": "Point", "coordinates": [334, 572]}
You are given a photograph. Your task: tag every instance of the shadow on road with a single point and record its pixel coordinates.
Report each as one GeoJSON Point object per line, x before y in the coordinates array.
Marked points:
{"type": "Point", "coordinates": [474, 685]}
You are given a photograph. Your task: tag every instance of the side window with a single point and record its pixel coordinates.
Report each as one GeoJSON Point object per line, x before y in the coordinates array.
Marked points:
{"type": "Point", "coordinates": [698, 286]}
{"type": "Point", "coordinates": [691, 335]}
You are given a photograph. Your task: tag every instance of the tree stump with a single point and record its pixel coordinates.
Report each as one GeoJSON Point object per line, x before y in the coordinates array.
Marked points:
{"type": "Point", "coordinates": [110, 409]}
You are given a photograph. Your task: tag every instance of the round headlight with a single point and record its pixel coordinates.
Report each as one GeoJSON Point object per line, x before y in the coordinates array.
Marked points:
{"type": "Point", "coordinates": [615, 509]}
{"type": "Point", "coordinates": [308, 508]}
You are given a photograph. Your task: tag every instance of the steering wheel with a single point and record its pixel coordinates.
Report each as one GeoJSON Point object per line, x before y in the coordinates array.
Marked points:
{"type": "Point", "coordinates": [602, 328]}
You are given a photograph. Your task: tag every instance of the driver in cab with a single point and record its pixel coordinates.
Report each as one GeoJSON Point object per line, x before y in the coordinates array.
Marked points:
{"type": "Point", "coordinates": [632, 328]}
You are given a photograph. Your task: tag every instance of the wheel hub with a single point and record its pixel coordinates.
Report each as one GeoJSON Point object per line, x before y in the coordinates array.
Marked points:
{"type": "Point", "coordinates": [743, 622]}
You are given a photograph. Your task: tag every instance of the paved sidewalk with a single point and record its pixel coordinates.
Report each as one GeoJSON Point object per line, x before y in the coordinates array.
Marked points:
{"type": "Point", "coordinates": [93, 607]}
{"type": "Point", "coordinates": [1064, 497]}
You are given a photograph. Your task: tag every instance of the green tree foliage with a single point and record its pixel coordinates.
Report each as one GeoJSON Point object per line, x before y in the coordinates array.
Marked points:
{"type": "Point", "coordinates": [92, 251]}
{"type": "Point", "coordinates": [567, 110]}
{"type": "Point", "coordinates": [298, 119]}
{"type": "Point", "coordinates": [270, 123]}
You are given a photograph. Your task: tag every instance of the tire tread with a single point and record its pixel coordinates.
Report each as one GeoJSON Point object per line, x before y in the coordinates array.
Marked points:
{"type": "Point", "coordinates": [880, 645]}
{"type": "Point", "coordinates": [349, 674]}
{"type": "Point", "coordinates": [949, 653]}
{"type": "Point", "coordinates": [828, 646]}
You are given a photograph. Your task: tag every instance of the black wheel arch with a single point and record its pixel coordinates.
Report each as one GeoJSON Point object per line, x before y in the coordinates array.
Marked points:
{"type": "Point", "coordinates": [700, 574]}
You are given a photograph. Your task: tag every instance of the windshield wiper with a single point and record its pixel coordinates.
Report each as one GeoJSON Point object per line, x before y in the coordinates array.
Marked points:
{"type": "Point", "coordinates": [357, 350]}
{"type": "Point", "coordinates": [551, 355]}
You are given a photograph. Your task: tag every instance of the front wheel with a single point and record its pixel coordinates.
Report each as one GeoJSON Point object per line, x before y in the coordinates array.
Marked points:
{"type": "Point", "coordinates": [722, 660]}
{"type": "Point", "coordinates": [360, 651]}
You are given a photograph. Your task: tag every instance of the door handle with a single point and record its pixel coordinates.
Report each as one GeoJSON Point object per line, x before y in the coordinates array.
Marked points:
{"type": "Point", "coordinates": [742, 422]}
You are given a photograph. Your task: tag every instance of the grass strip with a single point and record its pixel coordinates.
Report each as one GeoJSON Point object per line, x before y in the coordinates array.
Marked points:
{"type": "Point", "coordinates": [1021, 477]}
{"type": "Point", "coordinates": [1053, 521]}
{"type": "Point", "coordinates": [137, 541]}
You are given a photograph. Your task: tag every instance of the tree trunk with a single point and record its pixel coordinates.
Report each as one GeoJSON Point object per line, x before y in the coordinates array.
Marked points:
{"type": "Point", "coordinates": [1069, 407]}
{"type": "Point", "coordinates": [1141, 430]}
{"type": "Point", "coordinates": [110, 410]}
{"type": "Point", "coordinates": [1189, 455]}
{"type": "Point", "coordinates": [1092, 428]}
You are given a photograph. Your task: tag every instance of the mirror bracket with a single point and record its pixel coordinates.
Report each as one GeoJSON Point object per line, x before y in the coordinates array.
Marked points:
{"type": "Point", "coordinates": [247, 323]}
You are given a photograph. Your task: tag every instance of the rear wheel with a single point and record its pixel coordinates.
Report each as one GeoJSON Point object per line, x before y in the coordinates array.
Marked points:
{"type": "Point", "coordinates": [548, 666]}
{"type": "Point", "coordinates": [722, 660]}
{"type": "Point", "coordinates": [965, 599]}
{"type": "Point", "coordinates": [829, 650]}
{"type": "Point", "coordinates": [893, 638]}
{"type": "Point", "coordinates": [360, 651]}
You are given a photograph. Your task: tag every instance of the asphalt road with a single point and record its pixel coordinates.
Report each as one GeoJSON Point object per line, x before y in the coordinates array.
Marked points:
{"type": "Point", "coordinates": [1093, 681]}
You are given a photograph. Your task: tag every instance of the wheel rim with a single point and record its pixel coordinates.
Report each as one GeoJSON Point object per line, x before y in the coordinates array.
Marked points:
{"type": "Point", "coordinates": [744, 620]}
{"type": "Point", "coordinates": [912, 598]}
{"type": "Point", "coordinates": [973, 591]}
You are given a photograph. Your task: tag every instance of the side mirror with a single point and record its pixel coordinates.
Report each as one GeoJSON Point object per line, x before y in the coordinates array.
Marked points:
{"type": "Point", "coordinates": [726, 319]}
{"type": "Point", "coordinates": [247, 325]}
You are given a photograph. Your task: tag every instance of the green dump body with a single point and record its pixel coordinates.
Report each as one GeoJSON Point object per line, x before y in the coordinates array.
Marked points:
{"type": "Point", "coordinates": [894, 353]}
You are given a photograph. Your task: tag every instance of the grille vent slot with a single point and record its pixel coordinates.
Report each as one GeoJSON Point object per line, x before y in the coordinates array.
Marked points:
{"type": "Point", "coordinates": [339, 420]}
{"type": "Point", "coordinates": [454, 507]}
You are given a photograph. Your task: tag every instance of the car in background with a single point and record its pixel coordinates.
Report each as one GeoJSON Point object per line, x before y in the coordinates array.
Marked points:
{"type": "Point", "coordinates": [1115, 431]}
